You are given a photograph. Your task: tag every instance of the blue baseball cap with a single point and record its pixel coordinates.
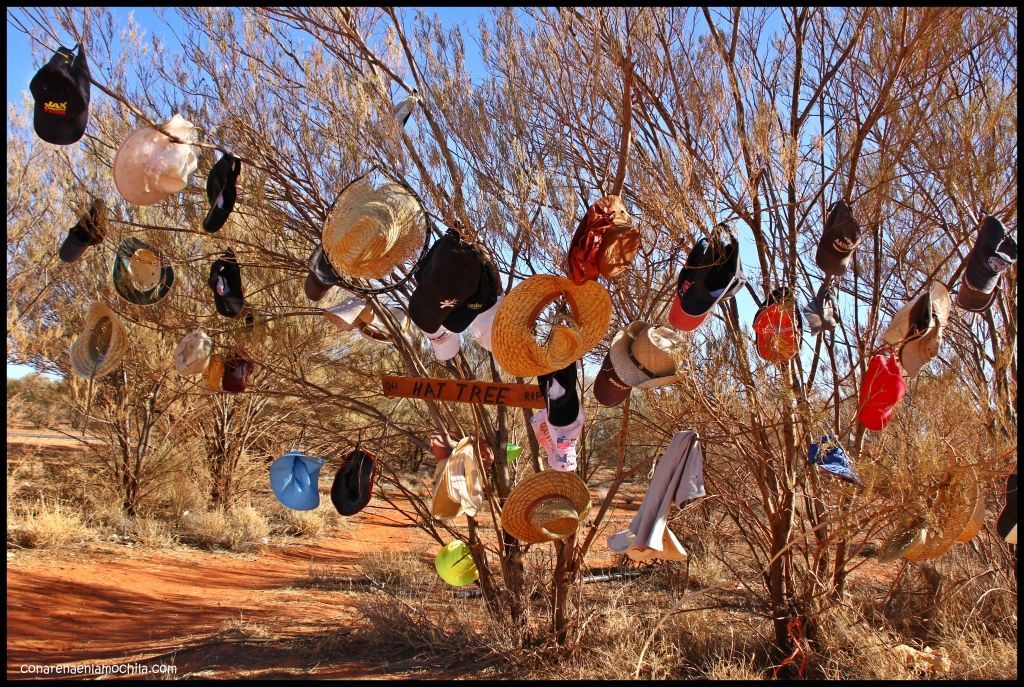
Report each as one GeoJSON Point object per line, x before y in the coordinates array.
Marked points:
{"type": "Point", "coordinates": [834, 459]}
{"type": "Point", "coordinates": [294, 477]}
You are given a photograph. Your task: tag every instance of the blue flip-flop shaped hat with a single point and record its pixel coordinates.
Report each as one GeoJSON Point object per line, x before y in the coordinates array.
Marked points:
{"type": "Point", "coordinates": [294, 477]}
{"type": "Point", "coordinates": [830, 456]}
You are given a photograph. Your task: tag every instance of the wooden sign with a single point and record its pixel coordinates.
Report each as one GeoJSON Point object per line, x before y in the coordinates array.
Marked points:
{"type": "Point", "coordinates": [459, 391]}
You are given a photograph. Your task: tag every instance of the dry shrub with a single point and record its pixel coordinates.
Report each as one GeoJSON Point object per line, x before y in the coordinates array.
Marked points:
{"type": "Point", "coordinates": [149, 532]}
{"type": "Point", "coordinates": [297, 523]}
{"type": "Point", "coordinates": [46, 525]}
{"type": "Point", "coordinates": [241, 628]}
{"type": "Point", "coordinates": [242, 529]}
{"type": "Point", "coordinates": [399, 571]}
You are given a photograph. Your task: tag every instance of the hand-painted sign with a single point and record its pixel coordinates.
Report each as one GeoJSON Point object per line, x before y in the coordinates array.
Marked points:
{"type": "Point", "coordinates": [460, 391]}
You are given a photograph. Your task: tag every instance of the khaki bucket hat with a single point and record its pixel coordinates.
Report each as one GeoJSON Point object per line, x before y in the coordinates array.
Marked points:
{"type": "Point", "coordinates": [371, 231]}
{"type": "Point", "coordinates": [193, 353]}
{"type": "Point", "coordinates": [513, 343]}
{"type": "Point", "coordinates": [918, 347]}
{"type": "Point", "coordinates": [546, 506]}
{"type": "Point", "coordinates": [149, 166]}
{"type": "Point", "coordinates": [642, 355]}
{"type": "Point", "coordinates": [101, 345]}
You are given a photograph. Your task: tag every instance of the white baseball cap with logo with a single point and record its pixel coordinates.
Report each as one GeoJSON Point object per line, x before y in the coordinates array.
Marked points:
{"type": "Point", "coordinates": [446, 344]}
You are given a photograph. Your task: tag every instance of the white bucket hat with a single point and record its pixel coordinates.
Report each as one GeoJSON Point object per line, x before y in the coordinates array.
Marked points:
{"type": "Point", "coordinates": [149, 166]}
{"type": "Point", "coordinates": [193, 353]}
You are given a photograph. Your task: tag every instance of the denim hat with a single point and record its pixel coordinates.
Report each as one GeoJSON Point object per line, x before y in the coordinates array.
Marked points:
{"type": "Point", "coordinates": [294, 477]}
{"type": "Point", "coordinates": [830, 456]}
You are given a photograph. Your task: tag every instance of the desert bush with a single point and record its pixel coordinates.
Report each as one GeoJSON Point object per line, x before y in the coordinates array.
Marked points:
{"type": "Point", "coordinates": [285, 521]}
{"type": "Point", "coordinates": [243, 529]}
{"type": "Point", "coordinates": [399, 571]}
{"type": "Point", "coordinates": [46, 525]}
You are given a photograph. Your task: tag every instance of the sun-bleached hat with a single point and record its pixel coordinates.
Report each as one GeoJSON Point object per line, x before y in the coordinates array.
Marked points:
{"type": "Point", "coordinates": [101, 345]}
{"type": "Point", "coordinates": [348, 314]}
{"type": "Point", "coordinates": [916, 329]}
{"type": "Point", "coordinates": [546, 506]}
{"type": "Point", "coordinates": [369, 232]}
{"type": "Point", "coordinates": [142, 275]}
{"type": "Point", "coordinates": [294, 480]}
{"type": "Point", "coordinates": [213, 374]}
{"type": "Point", "coordinates": [584, 322]}
{"type": "Point", "coordinates": [458, 485]}
{"type": "Point", "coordinates": [454, 564]}
{"type": "Point", "coordinates": [193, 353]}
{"type": "Point", "coordinates": [149, 166]}
{"type": "Point", "coordinates": [641, 355]}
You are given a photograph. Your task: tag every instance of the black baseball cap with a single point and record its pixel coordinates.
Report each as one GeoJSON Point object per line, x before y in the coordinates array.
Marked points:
{"type": "Point", "coordinates": [838, 241]}
{"type": "Point", "coordinates": [61, 92]}
{"type": "Point", "coordinates": [321, 276]}
{"type": "Point", "coordinates": [993, 252]}
{"type": "Point", "coordinates": [485, 296]}
{"type": "Point", "coordinates": [226, 282]}
{"type": "Point", "coordinates": [713, 273]}
{"type": "Point", "coordinates": [562, 411]}
{"type": "Point", "coordinates": [448, 278]}
{"type": "Point", "coordinates": [353, 483]}
{"type": "Point", "coordinates": [89, 231]}
{"type": "Point", "coordinates": [220, 191]}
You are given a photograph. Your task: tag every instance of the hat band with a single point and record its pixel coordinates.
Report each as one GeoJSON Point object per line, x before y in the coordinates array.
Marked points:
{"type": "Point", "coordinates": [632, 358]}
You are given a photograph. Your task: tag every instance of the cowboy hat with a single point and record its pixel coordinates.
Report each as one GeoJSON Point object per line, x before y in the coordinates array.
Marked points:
{"type": "Point", "coordinates": [513, 343]}
{"type": "Point", "coordinates": [370, 231]}
{"type": "Point", "coordinates": [294, 477]}
{"type": "Point", "coordinates": [149, 166]}
{"type": "Point", "coordinates": [641, 355]}
{"type": "Point", "coordinates": [102, 343]}
{"type": "Point", "coordinates": [142, 275]}
{"type": "Point", "coordinates": [193, 353]}
{"type": "Point", "coordinates": [546, 506]}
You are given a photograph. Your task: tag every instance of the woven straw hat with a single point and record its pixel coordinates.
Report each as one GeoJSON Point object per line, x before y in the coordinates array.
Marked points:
{"type": "Point", "coordinates": [149, 167]}
{"type": "Point", "coordinates": [975, 525]}
{"type": "Point", "coordinates": [370, 231]}
{"type": "Point", "coordinates": [102, 343]}
{"type": "Point", "coordinates": [950, 515]}
{"type": "Point", "coordinates": [213, 373]}
{"type": "Point", "coordinates": [546, 506]}
{"type": "Point", "coordinates": [514, 346]}
{"type": "Point", "coordinates": [642, 355]}
{"type": "Point", "coordinates": [193, 353]}
{"type": "Point", "coordinates": [909, 534]}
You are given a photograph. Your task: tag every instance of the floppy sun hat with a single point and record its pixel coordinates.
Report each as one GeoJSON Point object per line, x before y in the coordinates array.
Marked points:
{"type": "Point", "coordinates": [101, 345]}
{"type": "Point", "coordinates": [641, 355]}
{"type": "Point", "coordinates": [193, 353]}
{"type": "Point", "coordinates": [353, 483]}
{"type": "Point", "coordinates": [587, 315]}
{"type": "Point", "coordinates": [454, 564]}
{"type": "Point", "coordinates": [917, 328]}
{"type": "Point", "coordinates": [369, 232]}
{"type": "Point", "coordinates": [294, 477]}
{"type": "Point", "coordinates": [605, 242]}
{"type": "Point", "coordinates": [142, 275]}
{"type": "Point", "coordinates": [546, 506]}
{"type": "Point", "coordinates": [149, 166]}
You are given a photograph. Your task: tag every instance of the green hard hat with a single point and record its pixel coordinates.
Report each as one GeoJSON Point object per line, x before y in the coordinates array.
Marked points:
{"type": "Point", "coordinates": [455, 564]}
{"type": "Point", "coordinates": [512, 452]}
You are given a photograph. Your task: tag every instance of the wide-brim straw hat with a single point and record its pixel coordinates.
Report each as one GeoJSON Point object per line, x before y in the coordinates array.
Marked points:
{"type": "Point", "coordinates": [917, 352]}
{"type": "Point", "coordinates": [193, 353]}
{"type": "Point", "coordinates": [546, 506]}
{"type": "Point", "coordinates": [908, 534]}
{"type": "Point", "coordinates": [975, 525]}
{"type": "Point", "coordinates": [149, 167]}
{"type": "Point", "coordinates": [101, 345]}
{"type": "Point", "coordinates": [642, 355]}
{"type": "Point", "coordinates": [950, 515]}
{"type": "Point", "coordinates": [370, 231]}
{"type": "Point", "coordinates": [513, 344]}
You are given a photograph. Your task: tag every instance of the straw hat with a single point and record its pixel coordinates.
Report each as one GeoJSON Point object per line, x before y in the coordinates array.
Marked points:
{"type": "Point", "coordinates": [909, 534]}
{"type": "Point", "coordinates": [918, 350]}
{"type": "Point", "coordinates": [975, 525]}
{"type": "Point", "coordinates": [150, 167]}
{"type": "Point", "coordinates": [100, 346]}
{"type": "Point", "coordinates": [950, 515]}
{"type": "Point", "coordinates": [513, 343]}
{"type": "Point", "coordinates": [213, 373]}
{"type": "Point", "coordinates": [642, 355]}
{"type": "Point", "coordinates": [193, 353]}
{"type": "Point", "coordinates": [546, 506]}
{"type": "Point", "coordinates": [370, 231]}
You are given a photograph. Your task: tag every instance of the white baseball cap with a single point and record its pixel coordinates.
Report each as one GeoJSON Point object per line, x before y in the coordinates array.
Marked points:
{"type": "Point", "coordinates": [481, 325]}
{"type": "Point", "coordinates": [349, 313]}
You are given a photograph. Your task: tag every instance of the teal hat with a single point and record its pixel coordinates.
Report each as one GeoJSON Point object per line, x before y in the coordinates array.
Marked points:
{"type": "Point", "coordinates": [142, 276]}
{"type": "Point", "coordinates": [455, 564]}
{"type": "Point", "coordinates": [294, 479]}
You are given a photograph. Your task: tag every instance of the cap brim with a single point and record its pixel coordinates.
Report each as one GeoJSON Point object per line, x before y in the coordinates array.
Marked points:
{"type": "Point", "coordinates": [314, 288]}
{"type": "Point", "coordinates": [447, 346]}
{"type": "Point", "coordinates": [970, 298]}
{"type": "Point", "coordinates": [682, 321]}
{"type": "Point", "coordinates": [832, 263]}
{"type": "Point", "coordinates": [59, 132]}
{"type": "Point", "coordinates": [73, 248]}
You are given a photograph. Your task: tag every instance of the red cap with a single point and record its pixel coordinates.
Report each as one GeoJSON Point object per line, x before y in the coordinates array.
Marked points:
{"type": "Point", "coordinates": [881, 390]}
{"type": "Point", "coordinates": [682, 321]}
{"type": "Point", "coordinates": [777, 333]}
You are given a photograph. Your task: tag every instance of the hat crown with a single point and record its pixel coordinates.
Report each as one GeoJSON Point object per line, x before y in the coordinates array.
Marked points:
{"type": "Point", "coordinates": [653, 347]}
{"type": "Point", "coordinates": [144, 268]}
{"type": "Point", "coordinates": [556, 516]}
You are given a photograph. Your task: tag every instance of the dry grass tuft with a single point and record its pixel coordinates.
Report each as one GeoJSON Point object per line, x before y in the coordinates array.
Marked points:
{"type": "Point", "coordinates": [296, 523]}
{"type": "Point", "coordinates": [46, 525]}
{"type": "Point", "coordinates": [243, 529]}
